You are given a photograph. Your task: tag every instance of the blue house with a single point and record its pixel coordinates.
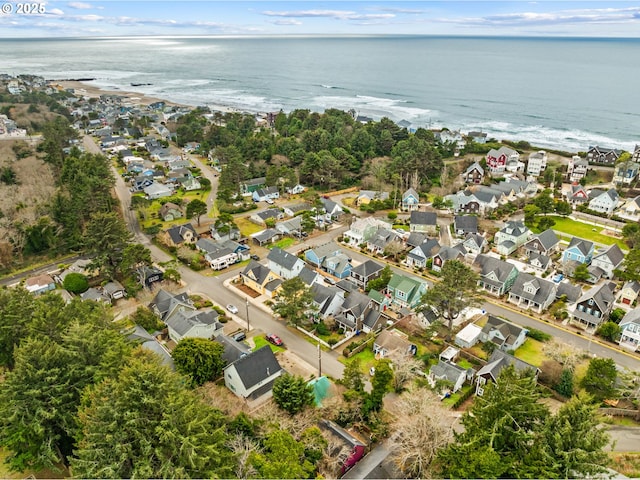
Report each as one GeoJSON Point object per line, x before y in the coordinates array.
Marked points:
{"type": "Point", "coordinates": [329, 258]}
{"type": "Point", "coordinates": [579, 250]}
{"type": "Point", "coordinates": [317, 255]}
{"type": "Point", "coordinates": [410, 200]}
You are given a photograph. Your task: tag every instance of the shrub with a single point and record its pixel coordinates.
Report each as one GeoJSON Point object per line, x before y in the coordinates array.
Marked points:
{"type": "Point", "coordinates": [147, 320]}
{"type": "Point", "coordinates": [538, 335]}
{"type": "Point", "coordinates": [464, 396]}
{"type": "Point", "coordinates": [76, 283]}
{"type": "Point", "coordinates": [322, 329]}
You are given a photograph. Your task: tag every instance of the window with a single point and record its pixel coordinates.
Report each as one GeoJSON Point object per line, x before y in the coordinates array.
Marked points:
{"type": "Point", "coordinates": [591, 301]}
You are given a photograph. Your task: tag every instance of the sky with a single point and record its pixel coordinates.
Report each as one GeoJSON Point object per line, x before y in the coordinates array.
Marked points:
{"type": "Point", "coordinates": [56, 19]}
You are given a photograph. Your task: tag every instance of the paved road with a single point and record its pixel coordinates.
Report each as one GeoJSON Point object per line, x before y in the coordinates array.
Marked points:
{"type": "Point", "coordinates": [627, 439]}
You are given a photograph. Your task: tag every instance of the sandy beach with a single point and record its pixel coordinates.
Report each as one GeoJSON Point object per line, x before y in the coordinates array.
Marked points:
{"type": "Point", "coordinates": [135, 98]}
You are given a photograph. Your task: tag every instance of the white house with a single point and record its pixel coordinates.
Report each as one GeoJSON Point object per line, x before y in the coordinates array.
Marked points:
{"type": "Point", "coordinates": [577, 169]}
{"type": "Point", "coordinates": [631, 209]}
{"type": "Point", "coordinates": [468, 336]}
{"type": "Point", "coordinates": [252, 375]}
{"type": "Point", "coordinates": [630, 330]}
{"type": "Point", "coordinates": [511, 237]}
{"type": "Point", "coordinates": [186, 323]}
{"type": "Point", "coordinates": [604, 202]}
{"type": "Point", "coordinates": [157, 190]}
{"type": "Point", "coordinates": [537, 163]}
{"type": "Point", "coordinates": [284, 264]}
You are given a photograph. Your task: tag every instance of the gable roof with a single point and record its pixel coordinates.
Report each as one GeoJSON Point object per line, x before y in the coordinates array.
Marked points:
{"type": "Point", "coordinates": [632, 316]}
{"type": "Point", "coordinates": [178, 232]}
{"type": "Point", "coordinates": [423, 218]}
{"type": "Point", "coordinates": [232, 350]}
{"type": "Point", "coordinates": [613, 253]}
{"type": "Point", "coordinates": [308, 275]}
{"type": "Point", "coordinates": [544, 288]}
{"type": "Point", "coordinates": [265, 235]}
{"type": "Point", "coordinates": [500, 360]}
{"type": "Point", "coordinates": [510, 331]}
{"type": "Point", "coordinates": [269, 213]}
{"type": "Point", "coordinates": [257, 271]}
{"type": "Point", "coordinates": [183, 321]}
{"type": "Point", "coordinates": [602, 295]}
{"type": "Point", "coordinates": [256, 367]}
{"type": "Point", "coordinates": [390, 341]}
{"type": "Point", "coordinates": [548, 239]}
{"type": "Point", "coordinates": [466, 223]}
{"type": "Point", "coordinates": [283, 258]}
{"type": "Point", "coordinates": [447, 370]}
{"type": "Point", "coordinates": [367, 268]}
{"type": "Point", "coordinates": [489, 264]}
{"type": "Point", "coordinates": [571, 291]}
{"type": "Point", "coordinates": [410, 193]}
{"type": "Point", "coordinates": [164, 302]}
{"type": "Point", "coordinates": [583, 246]}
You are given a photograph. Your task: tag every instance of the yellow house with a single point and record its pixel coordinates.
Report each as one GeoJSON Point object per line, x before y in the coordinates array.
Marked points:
{"type": "Point", "coordinates": [261, 279]}
{"type": "Point", "coordinates": [366, 196]}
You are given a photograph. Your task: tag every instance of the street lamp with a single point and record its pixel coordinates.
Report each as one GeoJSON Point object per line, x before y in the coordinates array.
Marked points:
{"type": "Point", "coordinates": [247, 305]}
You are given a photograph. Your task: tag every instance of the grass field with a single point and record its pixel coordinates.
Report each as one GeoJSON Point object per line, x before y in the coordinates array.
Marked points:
{"type": "Point", "coordinates": [284, 243]}
{"type": "Point", "coordinates": [247, 227]}
{"type": "Point", "coordinates": [367, 360]}
{"type": "Point", "coordinates": [585, 230]}
{"type": "Point", "coordinates": [531, 352]}
{"type": "Point", "coordinates": [260, 342]}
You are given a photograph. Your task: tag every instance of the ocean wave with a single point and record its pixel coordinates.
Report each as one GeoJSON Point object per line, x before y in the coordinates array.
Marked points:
{"type": "Point", "coordinates": [375, 107]}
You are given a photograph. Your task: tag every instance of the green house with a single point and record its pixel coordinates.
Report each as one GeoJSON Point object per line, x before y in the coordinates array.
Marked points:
{"type": "Point", "coordinates": [406, 291]}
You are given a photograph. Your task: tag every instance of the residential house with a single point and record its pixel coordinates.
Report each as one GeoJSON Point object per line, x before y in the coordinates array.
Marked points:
{"type": "Point", "coordinates": [165, 304]}
{"type": "Point", "coordinates": [465, 224]}
{"type": "Point", "coordinates": [537, 163]}
{"type": "Point", "coordinates": [424, 222]}
{"type": "Point", "coordinates": [189, 184]}
{"type": "Point", "coordinates": [478, 202]}
{"type": "Point", "coordinates": [606, 156]}
{"type": "Point", "coordinates": [332, 210]}
{"type": "Point", "coordinates": [362, 274]}
{"type": "Point", "coordinates": [180, 235]}
{"type": "Point", "coordinates": [170, 211]}
{"type": "Point", "coordinates": [338, 265]}
{"type": "Point", "coordinates": [233, 350]}
{"type": "Point", "coordinates": [451, 137]}
{"type": "Point", "coordinates": [362, 229]}
{"type": "Point", "coordinates": [474, 244]}
{"type": "Point", "coordinates": [604, 202]}
{"type": "Point", "coordinates": [149, 275]}
{"type": "Point", "coordinates": [577, 195]}
{"type": "Point", "coordinates": [177, 163]}
{"type": "Point", "coordinates": [505, 335]}
{"type": "Point", "coordinates": [626, 173]}
{"type": "Point", "coordinates": [259, 278]}
{"type": "Point", "coordinates": [389, 342]}
{"type": "Point", "coordinates": [187, 323]}
{"type": "Point", "coordinates": [366, 196]}
{"type": "Point", "coordinates": [448, 372]}
{"type": "Point", "coordinates": [141, 182]}
{"type": "Point", "coordinates": [318, 254]}
{"type": "Point", "coordinates": [420, 255]}
{"type": "Point", "coordinates": [218, 256]}
{"type": "Point", "coordinates": [544, 243]}
{"type": "Point", "coordinates": [594, 306]}
{"type": "Point", "coordinates": [635, 156]}
{"type": "Point", "coordinates": [478, 137]}
{"type": "Point", "coordinates": [577, 169]}
{"type": "Point", "coordinates": [252, 376]}
{"type": "Point", "coordinates": [579, 250]}
{"type": "Point", "coordinates": [406, 291]}
{"type": "Point", "coordinates": [293, 226]}
{"type": "Point", "coordinates": [378, 243]}
{"type": "Point", "coordinates": [414, 239]}
{"type": "Point", "coordinates": [296, 189]}
{"type": "Point", "coordinates": [309, 276]}
{"type": "Point", "coordinates": [513, 235]}
{"type": "Point", "coordinates": [267, 236]}
{"type": "Point", "coordinates": [261, 217]}
{"type": "Point", "coordinates": [356, 310]}
{"type": "Point", "coordinates": [539, 261]}
{"type": "Point", "coordinates": [114, 290]}
{"type": "Point", "coordinates": [531, 292]}
{"type": "Point", "coordinates": [284, 264]}
{"type": "Point", "coordinates": [496, 276]}
{"type": "Point", "coordinates": [39, 284]}
{"type": "Point", "coordinates": [96, 295]}
{"type": "Point", "coordinates": [603, 264]}
{"type": "Point", "coordinates": [445, 254]}
{"type": "Point", "coordinates": [265, 193]}
{"type": "Point", "coordinates": [157, 190]}
{"type": "Point", "coordinates": [328, 300]}
{"type": "Point", "coordinates": [468, 336]}
{"type": "Point", "coordinates": [410, 200]}
{"type": "Point", "coordinates": [630, 330]}
{"type": "Point", "coordinates": [296, 208]}
{"type": "Point", "coordinates": [498, 361]}
{"type": "Point", "coordinates": [630, 210]}
{"type": "Point", "coordinates": [474, 174]}
{"type": "Point", "coordinates": [497, 159]}
{"type": "Point", "coordinates": [629, 292]}
{"type": "Point", "coordinates": [247, 187]}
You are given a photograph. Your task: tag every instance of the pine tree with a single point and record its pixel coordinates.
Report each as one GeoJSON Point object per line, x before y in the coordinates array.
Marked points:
{"type": "Point", "coordinates": [292, 393]}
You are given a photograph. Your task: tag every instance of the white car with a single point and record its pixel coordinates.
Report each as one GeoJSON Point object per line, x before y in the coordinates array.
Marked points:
{"type": "Point", "coordinates": [232, 308]}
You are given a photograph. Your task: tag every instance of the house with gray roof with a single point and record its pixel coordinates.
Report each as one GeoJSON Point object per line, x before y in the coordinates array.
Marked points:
{"type": "Point", "coordinates": [266, 236]}
{"type": "Point", "coordinates": [505, 335]}
{"type": "Point", "coordinates": [629, 292]}
{"type": "Point", "coordinates": [511, 237]}
{"type": "Point", "coordinates": [233, 350]}
{"type": "Point", "coordinates": [252, 376]}
{"type": "Point", "coordinates": [157, 190]}
{"type": "Point", "coordinates": [630, 330]}
{"type": "Point", "coordinates": [539, 262]}
{"type": "Point", "coordinates": [218, 256]}
{"type": "Point", "coordinates": [594, 306]}
{"type": "Point", "coordinates": [496, 276]}
{"type": "Point", "coordinates": [332, 210]}
{"type": "Point", "coordinates": [328, 300]}
{"type": "Point", "coordinates": [579, 250]}
{"type": "Point", "coordinates": [170, 211]}
{"type": "Point", "coordinates": [165, 304]}
{"type": "Point", "coordinates": [448, 372]}
{"type": "Point", "coordinates": [604, 263]}
{"type": "Point", "coordinates": [257, 277]}
{"type": "Point", "coordinates": [630, 210]}
{"type": "Point", "coordinates": [193, 324]}
{"type": "Point", "coordinates": [180, 234]}
{"type": "Point", "coordinates": [475, 244]}
{"type": "Point", "coordinates": [410, 200]}
{"type": "Point", "coordinates": [604, 202]}
{"type": "Point", "coordinates": [423, 222]}
{"type": "Point", "coordinates": [261, 217]}
{"type": "Point", "coordinates": [418, 256]}
{"type": "Point", "coordinates": [284, 264]}
{"type": "Point", "coordinates": [358, 313]}
{"type": "Point", "coordinates": [362, 274]}
{"type": "Point", "coordinates": [160, 350]}
{"type": "Point", "coordinates": [295, 208]}
{"type": "Point", "coordinates": [498, 361]}
{"type": "Point", "coordinates": [544, 243]}
{"type": "Point", "coordinates": [465, 224]}
{"type": "Point", "coordinates": [569, 291]}
{"type": "Point", "coordinates": [309, 276]}
{"type": "Point", "coordinates": [378, 243]}
{"type": "Point", "coordinates": [445, 254]}
{"type": "Point", "coordinates": [114, 290]}
{"type": "Point", "coordinates": [96, 295]}
{"type": "Point", "coordinates": [473, 174]}
{"type": "Point", "coordinates": [265, 193]}
{"type": "Point", "coordinates": [247, 187]}
{"type": "Point", "coordinates": [531, 292]}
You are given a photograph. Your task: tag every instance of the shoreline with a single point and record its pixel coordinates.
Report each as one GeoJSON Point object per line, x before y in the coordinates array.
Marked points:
{"type": "Point", "coordinates": [87, 90]}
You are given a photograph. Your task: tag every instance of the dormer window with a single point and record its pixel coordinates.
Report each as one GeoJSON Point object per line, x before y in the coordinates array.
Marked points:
{"type": "Point", "coordinates": [590, 301]}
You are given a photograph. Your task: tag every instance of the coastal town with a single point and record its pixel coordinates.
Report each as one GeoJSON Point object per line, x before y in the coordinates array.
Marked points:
{"type": "Point", "coordinates": [315, 271]}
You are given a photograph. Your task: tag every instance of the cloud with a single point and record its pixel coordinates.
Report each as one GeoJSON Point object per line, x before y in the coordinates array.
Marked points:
{"type": "Point", "coordinates": [335, 14]}
{"type": "Point", "coordinates": [80, 5]}
{"type": "Point", "coordinates": [406, 11]}
{"type": "Point", "coordinates": [286, 21]}
{"type": "Point", "coordinates": [55, 11]}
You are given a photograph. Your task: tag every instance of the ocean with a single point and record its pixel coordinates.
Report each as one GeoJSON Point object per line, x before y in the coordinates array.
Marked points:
{"type": "Point", "coordinates": [560, 93]}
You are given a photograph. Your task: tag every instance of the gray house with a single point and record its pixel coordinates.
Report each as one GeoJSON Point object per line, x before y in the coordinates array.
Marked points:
{"type": "Point", "coordinates": [505, 335]}
{"type": "Point", "coordinates": [252, 375]}
{"type": "Point", "coordinates": [531, 292]}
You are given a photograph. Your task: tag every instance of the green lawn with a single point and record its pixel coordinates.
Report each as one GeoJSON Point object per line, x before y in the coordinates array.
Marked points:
{"type": "Point", "coordinates": [585, 230]}
{"type": "Point", "coordinates": [367, 359]}
{"type": "Point", "coordinates": [260, 342]}
{"type": "Point", "coordinates": [247, 227]}
{"type": "Point", "coordinates": [284, 243]}
{"type": "Point", "coordinates": [531, 352]}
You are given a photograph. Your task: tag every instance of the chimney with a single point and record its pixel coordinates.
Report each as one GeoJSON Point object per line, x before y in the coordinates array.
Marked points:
{"type": "Point", "coordinates": [267, 371]}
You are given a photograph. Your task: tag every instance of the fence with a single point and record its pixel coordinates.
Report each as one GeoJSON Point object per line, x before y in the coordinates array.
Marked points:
{"type": "Point", "coordinates": [620, 412]}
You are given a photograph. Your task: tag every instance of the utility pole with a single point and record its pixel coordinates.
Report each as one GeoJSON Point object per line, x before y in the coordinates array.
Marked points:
{"type": "Point", "coordinates": [319, 361]}
{"type": "Point", "coordinates": [247, 305]}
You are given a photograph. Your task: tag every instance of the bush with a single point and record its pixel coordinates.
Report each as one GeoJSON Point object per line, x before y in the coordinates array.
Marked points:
{"type": "Point", "coordinates": [76, 283]}
{"type": "Point", "coordinates": [464, 396]}
{"type": "Point", "coordinates": [322, 329]}
{"type": "Point", "coordinates": [147, 320]}
{"type": "Point", "coordinates": [538, 335]}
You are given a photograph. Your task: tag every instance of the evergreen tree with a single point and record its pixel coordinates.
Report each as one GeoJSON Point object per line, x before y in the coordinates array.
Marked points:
{"type": "Point", "coordinates": [292, 393]}
{"type": "Point", "coordinates": [294, 301]}
{"type": "Point", "coordinates": [199, 358]}
{"type": "Point", "coordinates": [283, 457]}
{"type": "Point", "coordinates": [600, 379]}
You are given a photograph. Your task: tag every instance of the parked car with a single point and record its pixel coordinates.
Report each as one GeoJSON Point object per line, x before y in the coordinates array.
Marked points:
{"type": "Point", "coordinates": [275, 339]}
{"type": "Point", "coordinates": [239, 336]}
{"type": "Point", "coordinates": [255, 257]}
{"type": "Point", "coordinates": [269, 201]}
{"type": "Point", "coordinates": [232, 308]}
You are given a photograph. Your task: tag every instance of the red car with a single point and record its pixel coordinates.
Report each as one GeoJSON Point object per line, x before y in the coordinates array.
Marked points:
{"type": "Point", "coordinates": [275, 339]}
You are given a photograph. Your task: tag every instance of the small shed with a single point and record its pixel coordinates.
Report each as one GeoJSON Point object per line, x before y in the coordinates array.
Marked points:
{"type": "Point", "coordinates": [468, 336]}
